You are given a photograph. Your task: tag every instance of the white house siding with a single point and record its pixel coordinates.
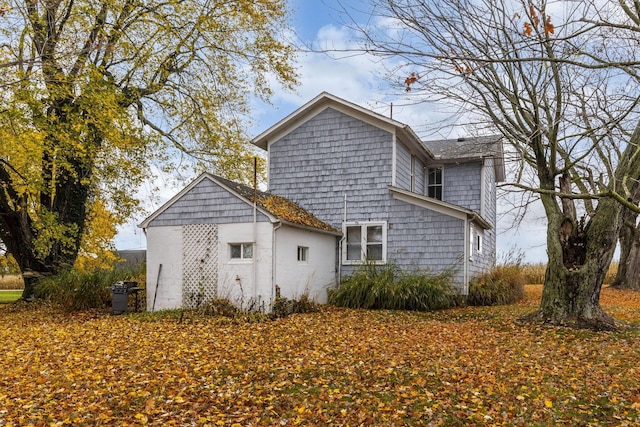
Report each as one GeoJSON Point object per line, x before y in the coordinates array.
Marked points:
{"type": "Point", "coordinates": [164, 247]}
{"type": "Point", "coordinates": [312, 277]}
{"type": "Point", "coordinates": [247, 283]}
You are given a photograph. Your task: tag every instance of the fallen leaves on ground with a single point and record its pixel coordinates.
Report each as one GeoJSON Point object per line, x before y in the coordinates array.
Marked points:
{"type": "Point", "coordinates": [467, 366]}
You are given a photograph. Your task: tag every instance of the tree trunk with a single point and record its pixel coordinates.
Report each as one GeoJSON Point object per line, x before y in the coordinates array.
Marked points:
{"type": "Point", "coordinates": [628, 274]}
{"type": "Point", "coordinates": [579, 257]}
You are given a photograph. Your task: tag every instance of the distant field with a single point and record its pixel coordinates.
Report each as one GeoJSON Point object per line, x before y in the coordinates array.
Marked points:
{"type": "Point", "coordinates": [11, 282]}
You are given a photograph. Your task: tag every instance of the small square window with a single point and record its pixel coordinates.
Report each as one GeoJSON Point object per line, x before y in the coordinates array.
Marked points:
{"type": "Point", "coordinates": [241, 250]}
{"type": "Point", "coordinates": [303, 253]}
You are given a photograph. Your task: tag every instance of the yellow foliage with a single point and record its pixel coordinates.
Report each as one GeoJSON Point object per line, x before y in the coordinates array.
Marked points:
{"type": "Point", "coordinates": [97, 250]}
{"type": "Point", "coordinates": [95, 93]}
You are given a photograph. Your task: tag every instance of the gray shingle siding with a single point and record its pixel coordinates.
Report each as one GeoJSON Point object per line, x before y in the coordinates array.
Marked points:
{"type": "Point", "coordinates": [403, 167]}
{"type": "Point", "coordinates": [206, 203]}
{"type": "Point", "coordinates": [316, 171]}
{"type": "Point", "coordinates": [487, 259]}
{"type": "Point", "coordinates": [462, 184]}
{"type": "Point", "coordinates": [420, 238]}
{"type": "Point", "coordinates": [315, 168]}
{"type": "Point", "coordinates": [419, 176]}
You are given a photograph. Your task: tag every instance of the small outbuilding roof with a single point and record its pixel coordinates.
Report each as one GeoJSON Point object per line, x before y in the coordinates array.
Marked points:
{"type": "Point", "coordinates": [278, 206]}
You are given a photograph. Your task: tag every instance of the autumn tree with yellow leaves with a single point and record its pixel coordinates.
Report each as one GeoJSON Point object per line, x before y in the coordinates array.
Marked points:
{"type": "Point", "coordinates": [94, 92]}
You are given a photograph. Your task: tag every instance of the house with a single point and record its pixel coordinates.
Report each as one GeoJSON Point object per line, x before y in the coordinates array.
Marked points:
{"type": "Point", "coordinates": [220, 239]}
{"type": "Point", "coordinates": [370, 189]}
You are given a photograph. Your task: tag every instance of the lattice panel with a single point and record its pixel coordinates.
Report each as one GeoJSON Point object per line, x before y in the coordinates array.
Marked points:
{"type": "Point", "coordinates": [199, 264]}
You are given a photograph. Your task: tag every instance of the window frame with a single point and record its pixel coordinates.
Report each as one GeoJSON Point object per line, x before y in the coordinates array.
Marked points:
{"type": "Point", "coordinates": [243, 246]}
{"type": "Point", "coordinates": [435, 186]}
{"type": "Point", "coordinates": [304, 251]}
{"type": "Point", "coordinates": [364, 243]}
{"type": "Point", "coordinates": [475, 241]}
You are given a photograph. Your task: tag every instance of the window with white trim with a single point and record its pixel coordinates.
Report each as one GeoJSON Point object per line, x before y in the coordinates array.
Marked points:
{"type": "Point", "coordinates": [434, 183]}
{"type": "Point", "coordinates": [241, 251]}
{"type": "Point", "coordinates": [475, 241]}
{"type": "Point", "coordinates": [303, 254]}
{"type": "Point", "coordinates": [365, 241]}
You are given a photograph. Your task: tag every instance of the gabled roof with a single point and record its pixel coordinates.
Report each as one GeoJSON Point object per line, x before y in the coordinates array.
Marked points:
{"type": "Point", "coordinates": [277, 208]}
{"type": "Point", "coordinates": [440, 206]}
{"type": "Point", "coordinates": [326, 100]}
{"type": "Point", "coordinates": [463, 149]}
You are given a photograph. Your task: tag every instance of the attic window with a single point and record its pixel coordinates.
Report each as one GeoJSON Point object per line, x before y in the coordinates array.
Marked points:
{"type": "Point", "coordinates": [434, 183]}
{"type": "Point", "coordinates": [241, 250]}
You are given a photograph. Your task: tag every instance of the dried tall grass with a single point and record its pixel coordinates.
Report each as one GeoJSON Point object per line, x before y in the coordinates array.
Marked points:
{"type": "Point", "coordinates": [11, 281]}
{"type": "Point", "coordinates": [534, 273]}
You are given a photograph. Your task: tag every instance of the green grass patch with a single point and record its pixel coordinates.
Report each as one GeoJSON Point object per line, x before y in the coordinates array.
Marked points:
{"type": "Point", "coordinates": [9, 296]}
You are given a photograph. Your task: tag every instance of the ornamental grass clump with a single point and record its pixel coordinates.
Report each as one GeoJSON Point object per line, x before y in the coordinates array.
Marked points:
{"type": "Point", "coordinates": [388, 287]}
{"type": "Point", "coordinates": [504, 284]}
{"type": "Point", "coordinates": [75, 290]}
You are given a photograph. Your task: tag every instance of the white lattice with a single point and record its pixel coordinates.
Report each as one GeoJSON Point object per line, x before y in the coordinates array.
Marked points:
{"type": "Point", "coordinates": [199, 264]}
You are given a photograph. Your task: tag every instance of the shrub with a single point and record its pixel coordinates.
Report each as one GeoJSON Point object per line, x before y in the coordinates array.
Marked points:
{"type": "Point", "coordinates": [504, 284]}
{"type": "Point", "coordinates": [220, 307]}
{"type": "Point", "coordinates": [388, 287]}
{"type": "Point", "coordinates": [74, 290]}
{"type": "Point", "coordinates": [283, 307]}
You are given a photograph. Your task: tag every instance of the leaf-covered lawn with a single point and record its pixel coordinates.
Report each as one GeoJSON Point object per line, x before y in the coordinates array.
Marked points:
{"type": "Point", "coordinates": [470, 366]}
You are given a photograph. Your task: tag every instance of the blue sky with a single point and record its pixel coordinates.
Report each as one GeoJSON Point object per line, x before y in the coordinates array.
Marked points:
{"type": "Point", "coordinates": [356, 79]}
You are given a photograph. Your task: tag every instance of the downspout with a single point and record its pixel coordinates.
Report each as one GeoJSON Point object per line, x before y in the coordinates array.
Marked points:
{"type": "Point", "coordinates": [255, 226]}
{"type": "Point", "coordinates": [273, 261]}
{"type": "Point", "coordinates": [393, 159]}
{"type": "Point", "coordinates": [465, 261]}
{"type": "Point", "coordinates": [342, 239]}
{"type": "Point", "coordinates": [482, 187]}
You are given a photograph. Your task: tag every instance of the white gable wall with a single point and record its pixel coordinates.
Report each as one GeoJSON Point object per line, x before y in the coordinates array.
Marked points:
{"type": "Point", "coordinates": [164, 247]}
{"type": "Point", "coordinates": [311, 277]}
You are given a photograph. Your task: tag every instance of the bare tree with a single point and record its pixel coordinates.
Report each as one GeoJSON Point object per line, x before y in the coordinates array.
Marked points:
{"type": "Point", "coordinates": [562, 90]}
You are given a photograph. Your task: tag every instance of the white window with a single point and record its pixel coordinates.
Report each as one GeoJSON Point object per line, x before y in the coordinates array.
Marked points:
{"type": "Point", "coordinates": [472, 233]}
{"type": "Point", "coordinates": [475, 242]}
{"type": "Point", "coordinates": [303, 253]}
{"type": "Point", "coordinates": [434, 183]}
{"type": "Point", "coordinates": [365, 241]}
{"type": "Point", "coordinates": [241, 250]}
